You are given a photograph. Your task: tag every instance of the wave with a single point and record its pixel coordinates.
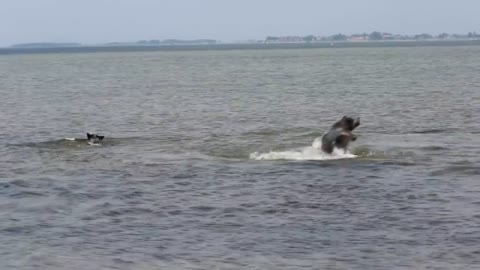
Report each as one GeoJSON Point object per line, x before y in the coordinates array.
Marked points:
{"type": "Point", "coordinates": [434, 148]}
{"type": "Point", "coordinates": [70, 142]}
{"type": "Point", "coordinates": [457, 170]}
{"type": "Point", "coordinates": [435, 131]}
{"type": "Point", "coordinates": [313, 152]}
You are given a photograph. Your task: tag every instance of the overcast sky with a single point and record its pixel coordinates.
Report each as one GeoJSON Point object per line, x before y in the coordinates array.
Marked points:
{"type": "Point", "coordinates": [96, 21]}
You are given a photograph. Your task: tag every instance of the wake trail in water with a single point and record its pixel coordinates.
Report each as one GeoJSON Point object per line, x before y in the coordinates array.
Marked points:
{"type": "Point", "coordinates": [313, 152]}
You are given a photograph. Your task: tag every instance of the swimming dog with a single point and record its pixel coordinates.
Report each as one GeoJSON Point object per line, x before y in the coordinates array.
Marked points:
{"type": "Point", "coordinates": [94, 139]}
{"type": "Point", "coordinates": [340, 134]}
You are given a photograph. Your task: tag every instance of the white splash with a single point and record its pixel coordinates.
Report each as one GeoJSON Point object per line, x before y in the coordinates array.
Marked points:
{"type": "Point", "coordinates": [94, 144]}
{"type": "Point", "coordinates": [313, 152]}
{"type": "Point", "coordinates": [70, 139]}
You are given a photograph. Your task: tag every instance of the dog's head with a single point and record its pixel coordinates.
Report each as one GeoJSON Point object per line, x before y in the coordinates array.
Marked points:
{"type": "Point", "coordinates": [94, 138]}
{"type": "Point", "coordinates": [347, 123]}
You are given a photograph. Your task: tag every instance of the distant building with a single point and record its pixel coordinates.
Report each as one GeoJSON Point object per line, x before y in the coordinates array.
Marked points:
{"type": "Point", "coordinates": [358, 38]}
{"type": "Point", "coordinates": [388, 36]}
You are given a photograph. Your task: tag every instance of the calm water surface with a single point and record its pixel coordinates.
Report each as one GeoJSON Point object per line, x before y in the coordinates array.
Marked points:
{"type": "Point", "coordinates": [211, 160]}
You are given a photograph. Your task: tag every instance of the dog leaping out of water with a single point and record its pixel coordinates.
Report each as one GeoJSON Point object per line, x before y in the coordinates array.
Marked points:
{"type": "Point", "coordinates": [340, 134]}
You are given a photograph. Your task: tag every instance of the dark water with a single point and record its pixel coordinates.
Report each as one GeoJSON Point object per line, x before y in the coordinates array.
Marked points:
{"type": "Point", "coordinates": [208, 160]}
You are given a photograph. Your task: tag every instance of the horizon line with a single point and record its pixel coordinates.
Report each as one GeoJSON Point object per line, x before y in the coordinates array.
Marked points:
{"type": "Point", "coordinates": [226, 42]}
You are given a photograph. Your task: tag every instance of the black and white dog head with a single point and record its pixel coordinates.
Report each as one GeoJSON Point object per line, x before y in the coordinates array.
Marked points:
{"type": "Point", "coordinates": [94, 138]}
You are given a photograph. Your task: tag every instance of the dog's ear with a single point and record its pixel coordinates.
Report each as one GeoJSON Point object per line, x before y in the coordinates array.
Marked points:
{"type": "Point", "coordinates": [100, 137]}
{"type": "Point", "coordinates": [89, 136]}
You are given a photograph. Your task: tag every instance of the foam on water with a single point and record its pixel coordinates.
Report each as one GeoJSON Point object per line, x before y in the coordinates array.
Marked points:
{"type": "Point", "coordinates": [313, 152]}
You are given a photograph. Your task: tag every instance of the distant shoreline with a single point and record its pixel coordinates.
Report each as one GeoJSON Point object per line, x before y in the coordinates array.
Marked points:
{"type": "Point", "coordinates": [239, 46]}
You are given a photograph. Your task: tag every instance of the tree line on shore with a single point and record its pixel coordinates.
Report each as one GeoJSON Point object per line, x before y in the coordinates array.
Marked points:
{"type": "Point", "coordinates": [373, 36]}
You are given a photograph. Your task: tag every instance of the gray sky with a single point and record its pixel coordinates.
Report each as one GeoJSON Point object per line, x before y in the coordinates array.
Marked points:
{"type": "Point", "coordinates": [96, 21]}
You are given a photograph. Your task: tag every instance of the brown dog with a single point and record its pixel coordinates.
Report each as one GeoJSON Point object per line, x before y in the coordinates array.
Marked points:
{"type": "Point", "coordinates": [340, 134]}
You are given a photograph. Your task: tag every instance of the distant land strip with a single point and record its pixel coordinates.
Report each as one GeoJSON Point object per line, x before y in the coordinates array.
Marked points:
{"type": "Point", "coordinates": [236, 46]}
